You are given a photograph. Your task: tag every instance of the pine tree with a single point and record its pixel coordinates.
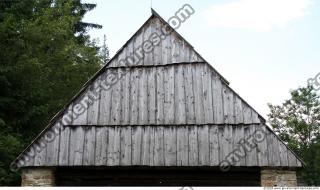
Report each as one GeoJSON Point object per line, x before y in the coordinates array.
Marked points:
{"type": "Point", "coordinates": [45, 58]}
{"type": "Point", "coordinates": [105, 54]}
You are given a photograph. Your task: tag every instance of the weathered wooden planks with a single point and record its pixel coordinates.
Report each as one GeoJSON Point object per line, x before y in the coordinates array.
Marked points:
{"type": "Point", "coordinates": [89, 146]}
{"type": "Point", "coordinates": [182, 145]}
{"type": "Point", "coordinates": [189, 95]}
{"type": "Point", "coordinates": [204, 149]}
{"type": "Point", "coordinates": [53, 137]}
{"type": "Point", "coordinates": [262, 148]}
{"type": "Point", "coordinates": [126, 146]}
{"type": "Point", "coordinates": [214, 145]}
{"type": "Point", "coordinates": [193, 146]}
{"type": "Point", "coordinates": [101, 144]}
{"type": "Point", "coordinates": [170, 146]}
{"type": "Point", "coordinates": [176, 94]}
{"type": "Point", "coordinates": [76, 146]}
{"type": "Point", "coordinates": [166, 107]}
{"type": "Point", "coordinates": [179, 95]}
{"type": "Point", "coordinates": [198, 92]}
{"type": "Point", "coordinates": [171, 49]}
{"type": "Point", "coordinates": [113, 148]}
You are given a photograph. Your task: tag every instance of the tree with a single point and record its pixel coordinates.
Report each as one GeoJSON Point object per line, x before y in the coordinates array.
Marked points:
{"type": "Point", "coordinates": [105, 54]}
{"type": "Point", "coordinates": [45, 57]}
{"type": "Point", "coordinates": [297, 122]}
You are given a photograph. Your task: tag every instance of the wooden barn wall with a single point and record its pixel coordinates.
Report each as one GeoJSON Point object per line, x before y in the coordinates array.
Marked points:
{"type": "Point", "coordinates": [183, 145]}
{"type": "Point", "coordinates": [172, 94]}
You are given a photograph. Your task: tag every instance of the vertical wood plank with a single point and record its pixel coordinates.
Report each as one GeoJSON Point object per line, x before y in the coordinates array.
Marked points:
{"type": "Point", "coordinates": [179, 97]}
{"type": "Point", "coordinates": [247, 117]}
{"type": "Point", "coordinates": [190, 107]}
{"type": "Point", "coordinates": [80, 109]}
{"type": "Point", "coordinates": [143, 98]}
{"type": "Point", "coordinates": [238, 110]}
{"type": "Point", "coordinates": [263, 148]}
{"type": "Point", "coordinates": [89, 146]}
{"type": "Point", "coordinates": [125, 95]}
{"type": "Point", "coordinates": [93, 109]}
{"type": "Point", "coordinates": [207, 95]}
{"type": "Point", "coordinates": [148, 55]}
{"type": "Point", "coordinates": [116, 100]}
{"type": "Point", "coordinates": [251, 157]}
{"type": "Point", "coordinates": [170, 146]}
{"type": "Point", "coordinates": [283, 152]}
{"type": "Point", "coordinates": [166, 49]}
{"type": "Point", "coordinates": [126, 146]}
{"type": "Point", "coordinates": [186, 52]}
{"type": "Point", "coordinates": [101, 146]}
{"type": "Point", "coordinates": [134, 94]}
{"type": "Point", "coordinates": [136, 145]}
{"type": "Point", "coordinates": [198, 93]}
{"type": "Point", "coordinates": [239, 147]}
{"type": "Point", "coordinates": [106, 99]}
{"type": "Point", "coordinates": [64, 143]}
{"type": "Point", "coordinates": [152, 94]}
{"type": "Point", "coordinates": [129, 54]}
{"type": "Point", "coordinates": [76, 146]}
{"type": "Point", "coordinates": [160, 95]}
{"type": "Point", "coordinates": [159, 146]}
{"type": "Point", "coordinates": [157, 51]}
{"type": "Point", "coordinates": [195, 57]}
{"type": "Point", "coordinates": [225, 143]}
{"type": "Point", "coordinates": [53, 137]}
{"type": "Point", "coordinates": [169, 104]}
{"type": "Point", "coordinates": [255, 117]}
{"type": "Point", "coordinates": [276, 151]}
{"type": "Point", "coordinates": [40, 153]}
{"type": "Point", "coordinates": [214, 145]}
{"type": "Point", "coordinates": [139, 55]}
{"type": "Point", "coordinates": [145, 150]}
{"type": "Point", "coordinates": [182, 146]}
{"type": "Point", "coordinates": [292, 159]}
{"type": "Point", "coordinates": [217, 99]}
{"type": "Point", "coordinates": [270, 148]}
{"type": "Point", "coordinates": [193, 146]}
{"type": "Point", "coordinates": [152, 146]}
{"type": "Point", "coordinates": [228, 105]}
{"type": "Point", "coordinates": [113, 154]}
{"type": "Point", "coordinates": [204, 150]}
{"type": "Point", "coordinates": [175, 54]}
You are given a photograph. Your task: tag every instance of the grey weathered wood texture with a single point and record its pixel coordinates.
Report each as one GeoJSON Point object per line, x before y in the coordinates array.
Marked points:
{"type": "Point", "coordinates": [183, 145]}
{"type": "Point", "coordinates": [169, 108]}
{"type": "Point", "coordinates": [171, 94]}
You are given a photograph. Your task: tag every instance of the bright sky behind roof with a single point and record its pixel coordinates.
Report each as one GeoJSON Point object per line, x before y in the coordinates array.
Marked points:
{"type": "Point", "coordinates": [264, 48]}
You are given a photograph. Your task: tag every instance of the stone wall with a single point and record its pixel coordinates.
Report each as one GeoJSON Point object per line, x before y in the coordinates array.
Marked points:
{"type": "Point", "coordinates": [278, 178]}
{"type": "Point", "coordinates": [37, 177]}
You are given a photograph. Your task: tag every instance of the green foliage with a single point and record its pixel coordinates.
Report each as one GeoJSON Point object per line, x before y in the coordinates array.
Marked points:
{"type": "Point", "coordinates": [45, 57]}
{"type": "Point", "coordinates": [297, 122]}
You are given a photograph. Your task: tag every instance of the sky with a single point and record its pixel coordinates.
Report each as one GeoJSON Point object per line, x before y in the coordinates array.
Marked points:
{"type": "Point", "coordinates": [264, 48]}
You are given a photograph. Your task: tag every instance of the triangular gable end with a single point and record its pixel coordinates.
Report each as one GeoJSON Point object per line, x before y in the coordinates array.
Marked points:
{"type": "Point", "coordinates": [173, 51]}
{"type": "Point", "coordinates": [152, 45]}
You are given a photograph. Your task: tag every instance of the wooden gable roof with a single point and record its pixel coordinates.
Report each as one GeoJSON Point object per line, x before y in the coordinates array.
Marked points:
{"type": "Point", "coordinates": [169, 102]}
